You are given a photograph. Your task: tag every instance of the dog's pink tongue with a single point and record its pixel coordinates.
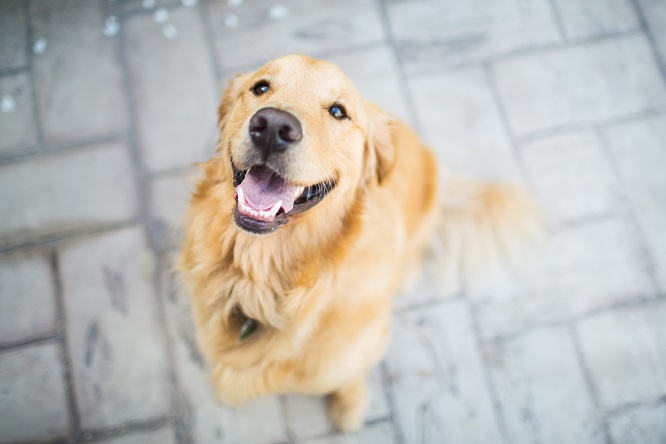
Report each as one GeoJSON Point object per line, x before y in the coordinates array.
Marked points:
{"type": "Point", "coordinates": [263, 188]}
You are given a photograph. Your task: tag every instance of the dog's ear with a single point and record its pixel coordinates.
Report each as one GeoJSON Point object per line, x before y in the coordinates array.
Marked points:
{"type": "Point", "coordinates": [230, 95]}
{"type": "Point", "coordinates": [380, 143]}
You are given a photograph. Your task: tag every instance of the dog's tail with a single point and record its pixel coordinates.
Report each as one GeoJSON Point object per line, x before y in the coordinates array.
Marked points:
{"type": "Point", "coordinates": [482, 225]}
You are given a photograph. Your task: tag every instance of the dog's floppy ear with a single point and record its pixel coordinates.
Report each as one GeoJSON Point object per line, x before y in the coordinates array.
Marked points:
{"type": "Point", "coordinates": [230, 95]}
{"type": "Point", "coordinates": [380, 143]}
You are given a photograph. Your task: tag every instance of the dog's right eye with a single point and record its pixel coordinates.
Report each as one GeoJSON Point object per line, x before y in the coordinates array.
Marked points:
{"type": "Point", "coordinates": [260, 88]}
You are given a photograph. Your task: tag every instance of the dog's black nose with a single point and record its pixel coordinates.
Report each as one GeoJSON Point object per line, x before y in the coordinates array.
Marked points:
{"type": "Point", "coordinates": [272, 129]}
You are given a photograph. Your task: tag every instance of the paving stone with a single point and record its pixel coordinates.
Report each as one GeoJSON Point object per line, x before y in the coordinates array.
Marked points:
{"type": "Point", "coordinates": [170, 196]}
{"type": "Point", "coordinates": [625, 351]}
{"type": "Point", "coordinates": [163, 436]}
{"type": "Point", "coordinates": [118, 360]}
{"type": "Point", "coordinates": [581, 269]}
{"type": "Point", "coordinates": [308, 417]}
{"type": "Point", "coordinates": [257, 422]}
{"type": "Point", "coordinates": [174, 90]}
{"type": "Point", "coordinates": [436, 377]}
{"type": "Point", "coordinates": [18, 125]}
{"type": "Point", "coordinates": [435, 33]}
{"type": "Point", "coordinates": [638, 150]}
{"type": "Point", "coordinates": [426, 290]}
{"type": "Point", "coordinates": [461, 123]}
{"type": "Point", "coordinates": [381, 433]}
{"type": "Point", "coordinates": [542, 391]}
{"type": "Point", "coordinates": [73, 190]}
{"type": "Point", "coordinates": [375, 73]}
{"type": "Point", "coordinates": [33, 404]}
{"type": "Point", "coordinates": [640, 425]}
{"type": "Point", "coordinates": [597, 18]}
{"type": "Point", "coordinates": [12, 43]}
{"type": "Point", "coordinates": [308, 28]}
{"type": "Point", "coordinates": [580, 84]}
{"type": "Point", "coordinates": [79, 80]}
{"type": "Point", "coordinates": [572, 177]}
{"type": "Point", "coordinates": [654, 12]}
{"type": "Point", "coordinates": [27, 304]}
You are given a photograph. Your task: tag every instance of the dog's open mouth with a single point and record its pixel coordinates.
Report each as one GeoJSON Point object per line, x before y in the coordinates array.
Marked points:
{"type": "Point", "coordinates": [265, 200]}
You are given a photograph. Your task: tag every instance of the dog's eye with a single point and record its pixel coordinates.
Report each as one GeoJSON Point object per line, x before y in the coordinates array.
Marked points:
{"type": "Point", "coordinates": [260, 88]}
{"type": "Point", "coordinates": [338, 112]}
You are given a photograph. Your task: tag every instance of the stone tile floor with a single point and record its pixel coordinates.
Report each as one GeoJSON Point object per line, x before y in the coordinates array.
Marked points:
{"type": "Point", "coordinates": [105, 105]}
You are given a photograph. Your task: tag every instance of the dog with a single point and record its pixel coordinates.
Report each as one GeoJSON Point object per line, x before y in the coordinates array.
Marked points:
{"type": "Point", "coordinates": [316, 208]}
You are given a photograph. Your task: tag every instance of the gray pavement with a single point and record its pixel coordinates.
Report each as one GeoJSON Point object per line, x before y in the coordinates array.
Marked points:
{"type": "Point", "coordinates": [101, 120]}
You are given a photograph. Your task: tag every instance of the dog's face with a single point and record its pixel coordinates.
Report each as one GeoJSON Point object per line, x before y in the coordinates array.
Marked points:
{"type": "Point", "coordinates": [297, 133]}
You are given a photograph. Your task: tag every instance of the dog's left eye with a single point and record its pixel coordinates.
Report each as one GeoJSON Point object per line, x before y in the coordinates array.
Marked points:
{"type": "Point", "coordinates": [338, 112]}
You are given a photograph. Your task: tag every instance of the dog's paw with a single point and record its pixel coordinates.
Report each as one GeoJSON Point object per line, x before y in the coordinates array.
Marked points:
{"type": "Point", "coordinates": [347, 407]}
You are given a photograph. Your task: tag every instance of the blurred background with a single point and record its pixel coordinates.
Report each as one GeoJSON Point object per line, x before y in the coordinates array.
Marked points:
{"type": "Point", "coordinates": [105, 106]}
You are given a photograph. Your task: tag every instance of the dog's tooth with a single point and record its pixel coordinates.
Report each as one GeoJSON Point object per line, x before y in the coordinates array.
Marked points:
{"type": "Point", "coordinates": [298, 191]}
{"type": "Point", "coordinates": [273, 211]}
{"type": "Point", "coordinates": [241, 196]}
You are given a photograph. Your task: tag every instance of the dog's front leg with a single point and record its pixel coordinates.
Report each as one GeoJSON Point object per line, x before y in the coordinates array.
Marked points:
{"type": "Point", "coordinates": [234, 387]}
{"type": "Point", "coordinates": [349, 404]}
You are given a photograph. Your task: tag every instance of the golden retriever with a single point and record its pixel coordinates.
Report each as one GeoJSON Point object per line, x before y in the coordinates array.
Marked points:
{"type": "Point", "coordinates": [315, 209]}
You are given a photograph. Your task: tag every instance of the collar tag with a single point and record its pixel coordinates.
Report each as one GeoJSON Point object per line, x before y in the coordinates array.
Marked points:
{"type": "Point", "coordinates": [249, 327]}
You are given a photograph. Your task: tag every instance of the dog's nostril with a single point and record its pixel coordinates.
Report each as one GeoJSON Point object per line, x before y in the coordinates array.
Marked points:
{"type": "Point", "coordinates": [258, 123]}
{"type": "Point", "coordinates": [289, 134]}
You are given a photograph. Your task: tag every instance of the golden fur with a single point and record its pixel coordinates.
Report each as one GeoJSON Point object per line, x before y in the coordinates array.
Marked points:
{"type": "Point", "coordinates": [321, 287]}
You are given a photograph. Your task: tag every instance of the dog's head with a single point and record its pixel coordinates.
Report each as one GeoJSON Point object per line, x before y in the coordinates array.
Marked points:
{"type": "Point", "coordinates": [299, 136]}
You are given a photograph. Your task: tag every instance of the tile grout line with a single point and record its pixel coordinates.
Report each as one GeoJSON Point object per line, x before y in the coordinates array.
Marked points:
{"type": "Point", "coordinates": [647, 30]}
{"type": "Point", "coordinates": [317, 55]}
{"type": "Point", "coordinates": [639, 302]}
{"type": "Point", "coordinates": [182, 432]}
{"type": "Point", "coordinates": [624, 408]}
{"type": "Point", "coordinates": [63, 236]}
{"type": "Point", "coordinates": [204, 14]}
{"type": "Point", "coordinates": [430, 302]}
{"type": "Point", "coordinates": [122, 430]}
{"type": "Point", "coordinates": [506, 125]}
{"type": "Point", "coordinates": [590, 125]}
{"type": "Point", "coordinates": [31, 77]}
{"type": "Point", "coordinates": [558, 20]}
{"type": "Point", "coordinates": [285, 422]}
{"type": "Point", "coordinates": [402, 76]}
{"type": "Point", "coordinates": [487, 374]}
{"type": "Point", "coordinates": [587, 377]}
{"type": "Point", "coordinates": [28, 342]}
{"type": "Point", "coordinates": [84, 144]}
{"type": "Point", "coordinates": [65, 352]}
{"type": "Point", "coordinates": [390, 401]}
{"type": "Point", "coordinates": [527, 52]}
{"type": "Point", "coordinates": [650, 264]}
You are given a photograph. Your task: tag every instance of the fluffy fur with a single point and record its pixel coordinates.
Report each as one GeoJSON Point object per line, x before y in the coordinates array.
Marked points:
{"type": "Point", "coordinates": [321, 287]}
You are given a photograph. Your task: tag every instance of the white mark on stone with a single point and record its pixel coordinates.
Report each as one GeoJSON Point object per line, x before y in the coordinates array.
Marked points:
{"type": "Point", "coordinates": [231, 20]}
{"type": "Point", "coordinates": [111, 26]}
{"type": "Point", "coordinates": [148, 4]}
{"type": "Point", "coordinates": [170, 31]}
{"type": "Point", "coordinates": [147, 263]}
{"type": "Point", "coordinates": [161, 15]}
{"type": "Point", "coordinates": [234, 3]}
{"type": "Point", "coordinates": [39, 46]}
{"type": "Point", "coordinates": [188, 3]}
{"type": "Point", "coordinates": [278, 12]}
{"type": "Point", "coordinates": [7, 104]}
